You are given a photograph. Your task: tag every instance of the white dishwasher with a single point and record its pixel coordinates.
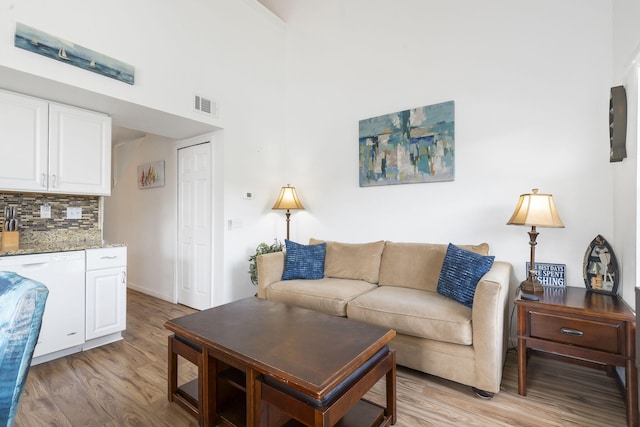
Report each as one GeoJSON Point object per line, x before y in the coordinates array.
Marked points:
{"type": "Point", "coordinates": [63, 273]}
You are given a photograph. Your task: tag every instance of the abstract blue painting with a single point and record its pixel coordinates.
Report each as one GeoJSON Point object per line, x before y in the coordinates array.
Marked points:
{"type": "Point", "coordinates": [42, 43]}
{"type": "Point", "coordinates": [409, 146]}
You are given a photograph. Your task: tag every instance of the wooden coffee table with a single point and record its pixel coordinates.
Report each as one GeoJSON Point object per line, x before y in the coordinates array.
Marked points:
{"type": "Point", "coordinates": [250, 340]}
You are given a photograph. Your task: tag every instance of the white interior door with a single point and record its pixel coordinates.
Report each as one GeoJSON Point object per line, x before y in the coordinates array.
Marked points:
{"type": "Point", "coordinates": [194, 221]}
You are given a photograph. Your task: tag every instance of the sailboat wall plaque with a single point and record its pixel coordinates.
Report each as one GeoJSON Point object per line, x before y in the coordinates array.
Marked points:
{"type": "Point", "coordinates": [39, 42]}
{"type": "Point", "coordinates": [600, 267]}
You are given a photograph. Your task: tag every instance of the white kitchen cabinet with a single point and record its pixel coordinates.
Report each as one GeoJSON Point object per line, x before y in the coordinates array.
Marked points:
{"type": "Point", "coordinates": [63, 321]}
{"type": "Point", "coordinates": [24, 127]}
{"type": "Point", "coordinates": [106, 295]}
{"type": "Point", "coordinates": [50, 147]}
{"type": "Point", "coordinates": [79, 151]}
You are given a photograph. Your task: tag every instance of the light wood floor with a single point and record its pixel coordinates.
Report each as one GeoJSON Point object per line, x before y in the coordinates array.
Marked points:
{"type": "Point", "coordinates": [124, 384]}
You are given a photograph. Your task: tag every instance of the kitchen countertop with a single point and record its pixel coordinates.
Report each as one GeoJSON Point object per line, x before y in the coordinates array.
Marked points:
{"type": "Point", "coordinates": [46, 247]}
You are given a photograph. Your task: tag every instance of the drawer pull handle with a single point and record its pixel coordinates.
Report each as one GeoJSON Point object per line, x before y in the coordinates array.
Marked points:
{"type": "Point", "coordinates": [109, 257]}
{"type": "Point", "coordinates": [572, 332]}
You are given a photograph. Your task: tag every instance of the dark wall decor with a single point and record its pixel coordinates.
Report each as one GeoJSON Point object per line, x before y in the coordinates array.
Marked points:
{"type": "Point", "coordinates": [600, 267]}
{"type": "Point", "coordinates": [618, 124]}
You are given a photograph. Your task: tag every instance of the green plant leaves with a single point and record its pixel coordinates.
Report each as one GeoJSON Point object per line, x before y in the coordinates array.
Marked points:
{"type": "Point", "coordinates": [262, 249]}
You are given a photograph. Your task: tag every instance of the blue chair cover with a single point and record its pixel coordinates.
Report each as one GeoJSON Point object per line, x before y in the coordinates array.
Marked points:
{"type": "Point", "coordinates": [22, 304]}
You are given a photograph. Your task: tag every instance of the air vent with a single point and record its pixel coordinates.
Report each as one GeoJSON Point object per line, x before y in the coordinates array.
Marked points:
{"type": "Point", "coordinates": [206, 106]}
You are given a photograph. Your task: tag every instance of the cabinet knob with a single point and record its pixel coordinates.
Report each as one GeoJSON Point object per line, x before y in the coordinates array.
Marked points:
{"type": "Point", "coordinates": [572, 332]}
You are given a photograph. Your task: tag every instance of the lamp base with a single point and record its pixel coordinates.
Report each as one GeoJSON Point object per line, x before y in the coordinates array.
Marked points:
{"type": "Point", "coordinates": [529, 287]}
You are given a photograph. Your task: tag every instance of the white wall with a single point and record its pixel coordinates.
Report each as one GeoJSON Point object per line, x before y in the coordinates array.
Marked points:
{"type": "Point", "coordinates": [626, 43]}
{"type": "Point", "coordinates": [626, 36]}
{"type": "Point", "coordinates": [178, 49]}
{"type": "Point", "coordinates": [145, 219]}
{"type": "Point", "coordinates": [530, 81]}
{"type": "Point", "coordinates": [229, 50]}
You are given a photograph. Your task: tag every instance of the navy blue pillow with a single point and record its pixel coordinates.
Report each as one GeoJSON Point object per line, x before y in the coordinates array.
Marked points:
{"type": "Point", "coordinates": [460, 274]}
{"type": "Point", "coordinates": [303, 261]}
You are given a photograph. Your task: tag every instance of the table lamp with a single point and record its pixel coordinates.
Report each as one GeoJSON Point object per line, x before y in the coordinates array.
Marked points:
{"type": "Point", "coordinates": [288, 199]}
{"type": "Point", "coordinates": [535, 210]}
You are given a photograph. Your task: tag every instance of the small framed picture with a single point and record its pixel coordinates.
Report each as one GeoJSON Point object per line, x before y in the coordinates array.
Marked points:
{"type": "Point", "coordinates": [151, 175]}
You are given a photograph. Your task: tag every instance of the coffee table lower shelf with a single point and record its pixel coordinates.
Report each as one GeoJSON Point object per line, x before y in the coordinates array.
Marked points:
{"type": "Point", "coordinates": [363, 414]}
{"type": "Point", "coordinates": [186, 396]}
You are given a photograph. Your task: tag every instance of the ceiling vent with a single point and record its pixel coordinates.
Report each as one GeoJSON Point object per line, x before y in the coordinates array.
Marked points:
{"type": "Point", "coordinates": [206, 106]}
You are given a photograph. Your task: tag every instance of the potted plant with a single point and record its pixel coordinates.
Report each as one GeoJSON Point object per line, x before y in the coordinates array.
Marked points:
{"type": "Point", "coordinates": [261, 249]}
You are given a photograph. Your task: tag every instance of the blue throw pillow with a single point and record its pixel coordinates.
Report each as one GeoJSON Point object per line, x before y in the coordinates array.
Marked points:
{"type": "Point", "coordinates": [460, 274]}
{"type": "Point", "coordinates": [303, 261]}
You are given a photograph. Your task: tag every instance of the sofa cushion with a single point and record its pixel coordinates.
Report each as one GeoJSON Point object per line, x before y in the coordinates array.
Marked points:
{"type": "Point", "coordinates": [417, 265]}
{"type": "Point", "coordinates": [460, 274]}
{"type": "Point", "coordinates": [358, 261]}
{"type": "Point", "coordinates": [327, 295]}
{"type": "Point", "coordinates": [414, 312]}
{"type": "Point", "coordinates": [303, 262]}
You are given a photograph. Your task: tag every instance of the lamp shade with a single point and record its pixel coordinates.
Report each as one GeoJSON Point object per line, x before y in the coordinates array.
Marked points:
{"type": "Point", "coordinates": [536, 210]}
{"type": "Point", "coordinates": [288, 199]}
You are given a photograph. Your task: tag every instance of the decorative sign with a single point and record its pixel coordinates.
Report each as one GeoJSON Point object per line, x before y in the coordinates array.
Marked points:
{"type": "Point", "coordinates": [600, 267]}
{"type": "Point", "coordinates": [552, 275]}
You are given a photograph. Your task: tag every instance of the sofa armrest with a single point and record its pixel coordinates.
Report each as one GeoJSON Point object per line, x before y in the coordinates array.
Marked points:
{"type": "Point", "coordinates": [488, 320]}
{"type": "Point", "coordinates": [270, 268]}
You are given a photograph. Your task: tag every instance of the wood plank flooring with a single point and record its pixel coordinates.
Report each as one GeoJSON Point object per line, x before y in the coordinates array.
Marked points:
{"type": "Point", "coordinates": [124, 384]}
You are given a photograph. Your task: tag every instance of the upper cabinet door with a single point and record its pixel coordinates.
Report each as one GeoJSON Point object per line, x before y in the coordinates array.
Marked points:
{"type": "Point", "coordinates": [79, 151]}
{"type": "Point", "coordinates": [23, 142]}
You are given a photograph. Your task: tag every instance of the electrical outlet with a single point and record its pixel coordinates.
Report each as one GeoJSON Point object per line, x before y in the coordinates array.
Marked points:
{"type": "Point", "coordinates": [45, 211]}
{"type": "Point", "coordinates": [74, 213]}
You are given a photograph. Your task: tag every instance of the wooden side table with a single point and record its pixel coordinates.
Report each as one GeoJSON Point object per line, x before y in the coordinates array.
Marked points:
{"type": "Point", "coordinates": [587, 328]}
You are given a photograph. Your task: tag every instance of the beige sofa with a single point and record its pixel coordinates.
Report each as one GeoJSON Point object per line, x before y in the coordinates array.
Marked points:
{"type": "Point", "coordinates": [394, 285]}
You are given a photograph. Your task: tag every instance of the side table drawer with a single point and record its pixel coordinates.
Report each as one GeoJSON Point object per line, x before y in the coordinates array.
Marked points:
{"type": "Point", "coordinates": [594, 334]}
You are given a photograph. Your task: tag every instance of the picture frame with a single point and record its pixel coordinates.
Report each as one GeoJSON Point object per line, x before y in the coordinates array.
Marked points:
{"type": "Point", "coordinates": [150, 175]}
{"type": "Point", "coordinates": [41, 43]}
{"type": "Point", "coordinates": [409, 146]}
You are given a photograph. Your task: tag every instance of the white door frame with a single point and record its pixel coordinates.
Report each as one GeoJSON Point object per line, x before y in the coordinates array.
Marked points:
{"type": "Point", "coordinates": [202, 139]}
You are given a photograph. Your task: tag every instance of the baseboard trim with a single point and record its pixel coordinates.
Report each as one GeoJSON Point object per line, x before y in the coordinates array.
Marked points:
{"type": "Point", "coordinates": [150, 292]}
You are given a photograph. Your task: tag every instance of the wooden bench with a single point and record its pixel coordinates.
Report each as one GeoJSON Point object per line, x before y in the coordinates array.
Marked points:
{"type": "Point", "coordinates": [344, 405]}
{"type": "Point", "coordinates": [188, 395]}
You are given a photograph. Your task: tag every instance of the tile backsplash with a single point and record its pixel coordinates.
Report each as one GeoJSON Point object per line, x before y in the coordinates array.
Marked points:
{"type": "Point", "coordinates": [33, 228]}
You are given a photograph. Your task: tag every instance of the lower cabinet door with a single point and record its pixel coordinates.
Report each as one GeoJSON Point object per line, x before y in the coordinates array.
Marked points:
{"type": "Point", "coordinates": [106, 305]}
{"type": "Point", "coordinates": [63, 320]}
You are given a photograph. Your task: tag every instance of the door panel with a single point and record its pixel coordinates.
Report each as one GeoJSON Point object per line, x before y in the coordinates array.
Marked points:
{"type": "Point", "coordinates": [194, 233]}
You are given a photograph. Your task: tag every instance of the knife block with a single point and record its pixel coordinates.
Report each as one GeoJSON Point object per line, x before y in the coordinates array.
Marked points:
{"type": "Point", "coordinates": [10, 240]}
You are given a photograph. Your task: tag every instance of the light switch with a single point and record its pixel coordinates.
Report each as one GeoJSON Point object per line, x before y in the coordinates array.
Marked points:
{"type": "Point", "coordinates": [45, 211]}
{"type": "Point", "coordinates": [74, 213]}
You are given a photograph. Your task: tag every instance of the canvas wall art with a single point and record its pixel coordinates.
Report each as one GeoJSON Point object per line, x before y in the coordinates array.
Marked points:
{"type": "Point", "coordinates": [151, 175]}
{"type": "Point", "coordinates": [39, 42]}
{"type": "Point", "coordinates": [409, 146]}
